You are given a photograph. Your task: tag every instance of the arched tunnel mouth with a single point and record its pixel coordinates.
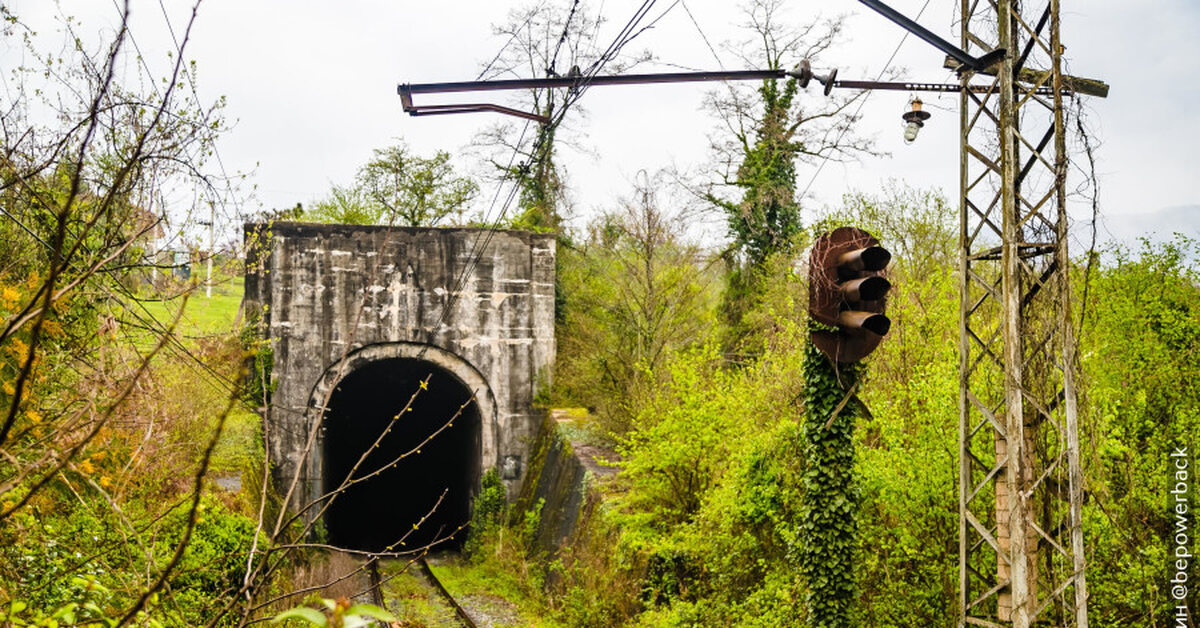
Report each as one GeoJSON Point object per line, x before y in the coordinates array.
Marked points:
{"type": "Point", "coordinates": [414, 486]}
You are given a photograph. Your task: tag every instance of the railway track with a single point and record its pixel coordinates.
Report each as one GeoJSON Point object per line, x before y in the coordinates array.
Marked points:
{"type": "Point", "coordinates": [377, 590]}
{"type": "Point", "coordinates": [376, 583]}
{"type": "Point", "coordinates": [437, 584]}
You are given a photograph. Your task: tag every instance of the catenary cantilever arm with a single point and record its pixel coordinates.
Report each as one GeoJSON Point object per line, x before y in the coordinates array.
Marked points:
{"type": "Point", "coordinates": [406, 90]}
{"type": "Point", "coordinates": [977, 64]}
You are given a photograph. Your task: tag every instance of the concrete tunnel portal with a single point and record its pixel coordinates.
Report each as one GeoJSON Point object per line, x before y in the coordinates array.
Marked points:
{"type": "Point", "coordinates": [404, 466]}
{"type": "Point", "coordinates": [355, 316]}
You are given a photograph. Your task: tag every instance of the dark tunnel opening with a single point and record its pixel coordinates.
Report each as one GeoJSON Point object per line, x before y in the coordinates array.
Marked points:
{"type": "Point", "coordinates": [376, 513]}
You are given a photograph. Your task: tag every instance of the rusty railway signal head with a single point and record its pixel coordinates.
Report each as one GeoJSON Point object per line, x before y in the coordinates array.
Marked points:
{"type": "Point", "coordinates": [847, 293]}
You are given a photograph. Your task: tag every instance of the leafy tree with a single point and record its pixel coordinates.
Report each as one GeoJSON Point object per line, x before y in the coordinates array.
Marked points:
{"type": "Point", "coordinates": [722, 549]}
{"type": "Point", "coordinates": [93, 530]}
{"type": "Point", "coordinates": [694, 406]}
{"type": "Point", "coordinates": [1140, 401]}
{"type": "Point", "coordinates": [712, 472]}
{"type": "Point", "coordinates": [401, 188]}
{"type": "Point", "coordinates": [726, 476]}
{"type": "Point", "coordinates": [639, 292]}
{"type": "Point", "coordinates": [543, 39]}
{"type": "Point", "coordinates": [907, 444]}
{"type": "Point", "coordinates": [345, 205]}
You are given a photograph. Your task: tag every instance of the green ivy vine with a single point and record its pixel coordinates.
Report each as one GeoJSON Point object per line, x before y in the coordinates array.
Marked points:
{"type": "Point", "coordinates": [828, 525]}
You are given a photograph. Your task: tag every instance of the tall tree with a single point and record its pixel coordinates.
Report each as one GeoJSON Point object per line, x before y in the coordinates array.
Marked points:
{"type": "Point", "coordinates": [544, 39]}
{"type": "Point", "coordinates": [402, 188]}
{"type": "Point", "coordinates": [91, 141]}
{"type": "Point", "coordinates": [763, 135]}
{"type": "Point", "coordinates": [640, 292]}
{"type": "Point", "coordinates": [412, 190]}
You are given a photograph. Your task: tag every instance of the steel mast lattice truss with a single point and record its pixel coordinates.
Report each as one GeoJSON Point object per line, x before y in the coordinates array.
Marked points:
{"type": "Point", "coordinates": [1021, 553]}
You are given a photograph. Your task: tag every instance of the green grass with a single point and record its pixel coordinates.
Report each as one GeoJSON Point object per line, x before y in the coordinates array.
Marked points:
{"type": "Point", "coordinates": [202, 316]}
{"type": "Point", "coordinates": [476, 586]}
{"type": "Point", "coordinates": [488, 580]}
{"type": "Point", "coordinates": [240, 447]}
{"type": "Point", "coordinates": [411, 600]}
{"type": "Point", "coordinates": [212, 317]}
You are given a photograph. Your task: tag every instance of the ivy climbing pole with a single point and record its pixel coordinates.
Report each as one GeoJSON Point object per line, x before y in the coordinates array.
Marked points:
{"type": "Point", "coordinates": [828, 517]}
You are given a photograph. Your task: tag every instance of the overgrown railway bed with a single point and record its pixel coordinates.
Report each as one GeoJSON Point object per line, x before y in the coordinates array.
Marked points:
{"type": "Point", "coordinates": [412, 588]}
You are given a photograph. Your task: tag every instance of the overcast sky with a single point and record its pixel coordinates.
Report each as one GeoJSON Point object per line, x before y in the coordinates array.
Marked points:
{"type": "Point", "coordinates": [311, 90]}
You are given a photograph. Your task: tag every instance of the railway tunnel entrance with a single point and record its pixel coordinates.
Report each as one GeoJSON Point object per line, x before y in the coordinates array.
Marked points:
{"type": "Point", "coordinates": [331, 300]}
{"type": "Point", "coordinates": [394, 466]}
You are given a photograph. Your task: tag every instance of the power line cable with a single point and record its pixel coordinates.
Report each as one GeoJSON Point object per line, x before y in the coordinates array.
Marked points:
{"type": "Point", "coordinates": [703, 36]}
{"type": "Point", "coordinates": [861, 103]}
{"type": "Point", "coordinates": [650, 25]}
{"type": "Point", "coordinates": [596, 66]}
{"type": "Point", "coordinates": [623, 37]}
{"type": "Point", "coordinates": [562, 39]}
{"type": "Point", "coordinates": [477, 248]}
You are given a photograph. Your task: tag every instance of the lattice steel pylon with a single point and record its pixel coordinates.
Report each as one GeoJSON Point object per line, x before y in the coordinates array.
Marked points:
{"type": "Point", "coordinates": [1021, 552]}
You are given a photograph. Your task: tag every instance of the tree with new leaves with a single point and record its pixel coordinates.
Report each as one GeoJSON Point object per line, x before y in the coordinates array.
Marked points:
{"type": "Point", "coordinates": [112, 421]}
{"type": "Point", "coordinates": [399, 187]}
{"type": "Point", "coordinates": [640, 292]}
{"type": "Point", "coordinates": [92, 528]}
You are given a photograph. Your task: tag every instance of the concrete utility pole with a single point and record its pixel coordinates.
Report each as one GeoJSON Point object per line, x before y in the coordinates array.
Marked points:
{"type": "Point", "coordinates": [1021, 553]}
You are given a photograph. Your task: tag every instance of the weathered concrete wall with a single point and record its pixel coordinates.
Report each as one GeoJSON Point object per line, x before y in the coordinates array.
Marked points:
{"type": "Point", "coordinates": [557, 479]}
{"type": "Point", "coordinates": [478, 303]}
{"type": "Point", "coordinates": [563, 477]}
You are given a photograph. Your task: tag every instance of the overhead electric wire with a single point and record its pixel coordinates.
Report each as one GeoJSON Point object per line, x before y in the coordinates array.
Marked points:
{"type": "Point", "coordinates": [550, 70]}
{"type": "Point", "coordinates": [477, 249]}
{"type": "Point", "coordinates": [861, 103]}
{"type": "Point", "coordinates": [649, 26]}
{"type": "Point", "coordinates": [704, 37]}
{"type": "Point", "coordinates": [623, 37]}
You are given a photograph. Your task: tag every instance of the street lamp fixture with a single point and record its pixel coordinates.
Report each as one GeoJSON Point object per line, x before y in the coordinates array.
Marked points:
{"type": "Point", "coordinates": [915, 119]}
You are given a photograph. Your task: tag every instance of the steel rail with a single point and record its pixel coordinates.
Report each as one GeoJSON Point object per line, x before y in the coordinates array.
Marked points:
{"type": "Point", "coordinates": [376, 582]}
{"type": "Point", "coordinates": [459, 611]}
